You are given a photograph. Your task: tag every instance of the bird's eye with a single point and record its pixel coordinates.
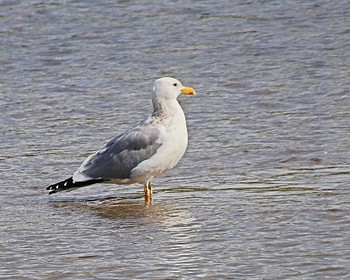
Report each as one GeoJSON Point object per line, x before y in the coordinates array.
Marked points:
{"type": "Point", "coordinates": [175, 84]}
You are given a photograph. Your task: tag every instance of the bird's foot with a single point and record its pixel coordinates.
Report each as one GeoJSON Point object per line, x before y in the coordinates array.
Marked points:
{"type": "Point", "coordinates": [148, 189]}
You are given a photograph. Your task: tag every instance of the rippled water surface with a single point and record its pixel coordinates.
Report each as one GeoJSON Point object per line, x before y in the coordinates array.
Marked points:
{"type": "Point", "coordinates": [263, 190]}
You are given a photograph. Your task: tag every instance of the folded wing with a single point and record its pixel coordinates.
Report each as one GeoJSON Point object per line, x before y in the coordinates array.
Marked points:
{"type": "Point", "coordinates": [120, 155]}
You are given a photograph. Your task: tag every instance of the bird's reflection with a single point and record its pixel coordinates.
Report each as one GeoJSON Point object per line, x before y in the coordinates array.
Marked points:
{"type": "Point", "coordinates": [113, 207]}
{"type": "Point", "coordinates": [165, 212]}
{"type": "Point", "coordinates": [121, 209]}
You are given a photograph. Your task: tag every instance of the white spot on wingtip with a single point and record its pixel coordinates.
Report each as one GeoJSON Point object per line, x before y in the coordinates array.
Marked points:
{"type": "Point", "coordinates": [65, 184]}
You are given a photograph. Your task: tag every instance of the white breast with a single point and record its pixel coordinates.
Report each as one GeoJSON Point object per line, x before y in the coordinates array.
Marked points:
{"type": "Point", "coordinates": [173, 137]}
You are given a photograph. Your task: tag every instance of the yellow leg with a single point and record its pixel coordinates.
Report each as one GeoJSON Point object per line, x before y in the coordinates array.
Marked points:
{"type": "Point", "coordinates": [148, 189]}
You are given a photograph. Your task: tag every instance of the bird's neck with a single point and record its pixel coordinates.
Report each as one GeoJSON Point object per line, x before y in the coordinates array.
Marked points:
{"type": "Point", "coordinates": [165, 108]}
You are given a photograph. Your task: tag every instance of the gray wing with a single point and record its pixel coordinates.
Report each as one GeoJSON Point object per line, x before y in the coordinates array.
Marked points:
{"type": "Point", "coordinates": [122, 154]}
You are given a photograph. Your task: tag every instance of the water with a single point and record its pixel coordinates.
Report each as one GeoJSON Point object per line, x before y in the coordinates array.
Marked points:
{"type": "Point", "coordinates": [263, 190]}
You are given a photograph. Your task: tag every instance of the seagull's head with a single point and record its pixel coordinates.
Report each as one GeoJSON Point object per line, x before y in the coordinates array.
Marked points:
{"type": "Point", "coordinates": [170, 88]}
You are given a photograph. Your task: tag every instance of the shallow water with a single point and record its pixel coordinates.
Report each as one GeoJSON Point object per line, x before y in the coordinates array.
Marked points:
{"type": "Point", "coordinates": [263, 190]}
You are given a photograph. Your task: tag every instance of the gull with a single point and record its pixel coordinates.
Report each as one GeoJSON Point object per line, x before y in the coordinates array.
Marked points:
{"type": "Point", "coordinates": [147, 150]}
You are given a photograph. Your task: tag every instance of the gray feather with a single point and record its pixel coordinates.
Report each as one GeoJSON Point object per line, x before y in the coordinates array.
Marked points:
{"type": "Point", "coordinates": [123, 153]}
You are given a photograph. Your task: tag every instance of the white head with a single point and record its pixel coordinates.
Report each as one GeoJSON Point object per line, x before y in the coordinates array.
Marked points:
{"type": "Point", "coordinates": [170, 88]}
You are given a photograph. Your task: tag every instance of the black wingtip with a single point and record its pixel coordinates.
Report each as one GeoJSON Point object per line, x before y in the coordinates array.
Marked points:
{"type": "Point", "coordinates": [70, 184]}
{"type": "Point", "coordinates": [61, 186]}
